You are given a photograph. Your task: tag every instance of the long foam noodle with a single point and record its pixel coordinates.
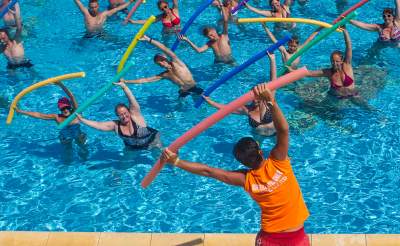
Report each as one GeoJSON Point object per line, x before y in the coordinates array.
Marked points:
{"type": "Point", "coordinates": [316, 40]}
{"type": "Point", "coordinates": [290, 20]}
{"type": "Point", "coordinates": [7, 8]}
{"type": "Point", "coordinates": [351, 9]}
{"type": "Point", "coordinates": [241, 67]}
{"type": "Point", "coordinates": [133, 10]}
{"type": "Point", "coordinates": [134, 42]}
{"type": "Point", "coordinates": [220, 114]}
{"type": "Point", "coordinates": [36, 86]}
{"type": "Point", "coordinates": [93, 98]}
{"type": "Point", "coordinates": [239, 6]}
{"type": "Point", "coordinates": [198, 11]}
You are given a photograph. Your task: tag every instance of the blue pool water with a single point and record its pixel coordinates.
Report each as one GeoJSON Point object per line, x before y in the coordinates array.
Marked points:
{"type": "Point", "coordinates": [346, 158]}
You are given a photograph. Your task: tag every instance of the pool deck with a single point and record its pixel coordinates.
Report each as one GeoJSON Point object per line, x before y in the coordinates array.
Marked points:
{"type": "Point", "coordinates": [27, 238]}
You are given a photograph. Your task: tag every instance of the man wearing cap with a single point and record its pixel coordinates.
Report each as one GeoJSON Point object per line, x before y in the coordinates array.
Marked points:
{"type": "Point", "coordinates": [177, 72]}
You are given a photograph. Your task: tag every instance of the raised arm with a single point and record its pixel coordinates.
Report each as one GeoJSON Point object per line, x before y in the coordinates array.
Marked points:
{"type": "Point", "coordinates": [225, 16]}
{"type": "Point", "coordinates": [365, 26]}
{"type": "Point", "coordinates": [216, 105]}
{"type": "Point", "coordinates": [120, 7]}
{"type": "Point", "coordinates": [106, 126]}
{"type": "Point", "coordinates": [134, 106]}
{"type": "Point", "coordinates": [81, 7]}
{"type": "Point", "coordinates": [311, 37]}
{"type": "Point", "coordinates": [198, 49]}
{"type": "Point", "coordinates": [349, 51]}
{"type": "Point", "coordinates": [175, 4]}
{"type": "Point", "coordinates": [161, 46]}
{"type": "Point", "coordinates": [236, 178]}
{"type": "Point", "coordinates": [397, 4]}
{"type": "Point", "coordinates": [280, 150]}
{"type": "Point", "coordinates": [143, 80]}
{"type": "Point", "coordinates": [273, 39]}
{"type": "Point", "coordinates": [17, 16]}
{"type": "Point", "coordinates": [37, 115]}
{"type": "Point", "coordinates": [69, 94]}
{"type": "Point", "coordinates": [265, 13]}
{"type": "Point", "coordinates": [272, 67]}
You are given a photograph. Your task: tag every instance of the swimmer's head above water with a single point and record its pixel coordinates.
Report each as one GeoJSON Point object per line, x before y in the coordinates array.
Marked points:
{"type": "Point", "coordinates": [275, 4]}
{"type": "Point", "coordinates": [293, 44]}
{"type": "Point", "coordinates": [248, 152]}
{"type": "Point", "coordinates": [93, 8]}
{"type": "Point", "coordinates": [388, 16]}
{"type": "Point", "coordinates": [64, 105]}
{"type": "Point", "coordinates": [210, 33]}
{"type": "Point", "coordinates": [337, 60]}
{"type": "Point", "coordinates": [163, 6]}
{"type": "Point", "coordinates": [162, 61]}
{"type": "Point", "coordinates": [123, 113]}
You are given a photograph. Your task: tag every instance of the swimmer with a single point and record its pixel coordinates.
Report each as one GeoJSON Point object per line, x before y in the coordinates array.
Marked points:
{"type": "Point", "coordinates": [270, 181]}
{"type": "Point", "coordinates": [169, 18]}
{"type": "Point", "coordinates": [278, 10]}
{"type": "Point", "coordinates": [389, 31]}
{"type": "Point", "coordinates": [341, 73]}
{"type": "Point", "coordinates": [12, 19]}
{"type": "Point", "coordinates": [219, 43]}
{"type": "Point", "coordinates": [94, 19]}
{"type": "Point", "coordinates": [293, 46]}
{"type": "Point", "coordinates": [176, 71]}
{"type": "Point", "coordinates": [13, 50]}
{"type": "Point", "coordinates": [131, 126]}
{"type": "Point", "coordinates": [112, 4]}
{"type": "Point", "coordinates": [66, 106]}
{"type": "Point", "coordinates": [258, 112]}
{"type": "Point", "coordinates": [228, 5]}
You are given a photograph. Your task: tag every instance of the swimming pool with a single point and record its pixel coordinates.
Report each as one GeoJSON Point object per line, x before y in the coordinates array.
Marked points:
{"type": "Point", "coordinates": [346, 158]}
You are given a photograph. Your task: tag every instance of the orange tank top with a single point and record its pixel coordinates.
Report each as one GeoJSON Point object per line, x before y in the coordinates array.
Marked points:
{"type": "Point", "coordinates": [274, 187]}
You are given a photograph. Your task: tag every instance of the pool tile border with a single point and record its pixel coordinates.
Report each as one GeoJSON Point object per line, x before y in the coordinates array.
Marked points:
{"type": "Point", "coordinates": [28, 238]}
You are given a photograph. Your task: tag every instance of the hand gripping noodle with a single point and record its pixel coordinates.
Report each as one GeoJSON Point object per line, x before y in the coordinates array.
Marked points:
{"type": "Point", "coordinates": [134, 42]}
{"type": "Point", "coordinates": [7, 8]}
{"type": "Point", "coordinates": [351, 9]}
{"type": "Point", "coordinates": [241, 67]}
{"type": "Point", "coordinates": [220, 114]}
{"type": "Point", "coordinates": [198, 11]}
{"type": "Point", "coordinates": [321, 36]}
{"type": "Point", "coordinates": [296, 20]}
{"type": "Point", "coordinates": [92, 99]}
{"type": "Point", "coordinates": [132, 11]}
{"type": "Point", "coordinates": [36, 86]}
{"type": "Point", "coordinates": [239, 6]}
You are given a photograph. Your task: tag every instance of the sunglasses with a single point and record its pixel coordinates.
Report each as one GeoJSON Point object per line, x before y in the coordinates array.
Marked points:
{"type": "Point", "coordinates": [66, 108]}
{"type": "Point", "coordinates": [387, 15]}
{"type": "Point", "coordinates": [164, 7]}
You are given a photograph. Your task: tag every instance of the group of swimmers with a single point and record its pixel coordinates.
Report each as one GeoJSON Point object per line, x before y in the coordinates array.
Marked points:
{"type": "Point", "coordinates": [263, 114]}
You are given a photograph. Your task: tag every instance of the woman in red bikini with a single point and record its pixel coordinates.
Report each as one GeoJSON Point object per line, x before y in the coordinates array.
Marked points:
{"type": "Point", "coordinates": [341, 73]}
{"type": "Point", "coordinates": [169, 18]}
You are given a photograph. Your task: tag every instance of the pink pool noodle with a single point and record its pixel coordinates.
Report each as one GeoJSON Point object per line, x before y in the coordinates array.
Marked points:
{"type": "Point", "coordinates": [132, 11]}
{"type": "Point", "coordinates": [351, 9]}
{"type": "Point", "coordinates": [220, 114]}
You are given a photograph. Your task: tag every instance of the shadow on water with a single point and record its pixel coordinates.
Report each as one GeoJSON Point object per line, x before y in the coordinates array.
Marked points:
{"type": "Point", "coordinates": [315, 102]}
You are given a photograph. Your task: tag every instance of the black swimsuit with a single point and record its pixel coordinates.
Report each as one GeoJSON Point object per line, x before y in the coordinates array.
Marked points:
{"type": "Point", "coordinates": [267, 119]}
{"type": "Point", "coordinates": [140, 139]}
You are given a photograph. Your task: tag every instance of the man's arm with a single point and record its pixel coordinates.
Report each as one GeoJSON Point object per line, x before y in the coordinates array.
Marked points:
{"type": "Point", "coordinates": [236, 178]}
{"type": "Point", "coordinates": [265, 13]}
{"type": "Point", "coordinates": [69, 94]}
{"type": "Point", "coordinates": [162, 47]}
{"type": "Point", "coordinates": [143, 80]}
{"type": "Point", "coordinates": [120, 7]}
{"type": "Point", "coordinates": [273, 39]}
{"type": "Point", "coordinates": [81, 7]}
{"type": "Point", "coordinates": [225, 16]}
{"type": "Point", "coordinates": [365, 26]}
{"type": "Point", "coordinates": [272, 67]}
{"type": "Point", "coordinates": [349, 51]}
{"type": "Point", "coordinates": [37, 115]}
{"type": "Point", "coordinates": [17, 16]}
{"type": "Point", "coordinates": [106, 126]}
{"type": "Point", "coordinates": [198, 49]}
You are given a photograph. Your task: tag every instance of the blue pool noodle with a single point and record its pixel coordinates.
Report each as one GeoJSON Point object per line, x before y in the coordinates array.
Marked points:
{"type": "Point", "coordinates": [6, 9]}
{"type": "Point", "coordinates": [239, 68]}
{"type": "Point", "coordinates": [200, 9]}
{"type": "Point", "coordinates": [239, 6]}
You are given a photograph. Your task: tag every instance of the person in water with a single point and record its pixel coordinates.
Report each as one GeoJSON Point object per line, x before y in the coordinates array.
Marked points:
{"type": "Point", "coordinates": [169, 17]}
{"type": "Point", "coordinates": [293, 46]}
{"type": "Point", "coordinates": [71, 132]}
{"type": "Point", "coordinates": [228, 6]}
{"type": "Point", "coordinates": [131, 126]}
{"type": "Point", "coordinates": [258, 113]}
{"type": "Point", "coordinates": [94, 19]}
{"type": "Point", "coordinates": [13, 50]}
{"type": "Point", "coordinates": [389, 31]}
{"type": "Point", "coordinates": [112, 4]}
{"type": "Point", "coordinates": [340, 74]}
{"type": "Point", "coordinates": [270, 182]}
{"type": "Point", "coordinates": [219, 43]}
{"type": "Point", "coordinates": [12, 19]}
{"type": "Point", "coordinates": [278, 10]}
{"type": "Point", "coordinates": [176, 71]}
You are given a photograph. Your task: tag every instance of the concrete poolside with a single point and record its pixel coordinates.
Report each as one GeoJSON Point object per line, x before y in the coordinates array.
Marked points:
{"type": "Point", "coordinates": [16, 238]}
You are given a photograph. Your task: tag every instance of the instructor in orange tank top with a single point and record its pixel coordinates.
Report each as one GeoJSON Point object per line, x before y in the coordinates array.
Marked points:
{"type": "Point", "coordinates": [269, 181]}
